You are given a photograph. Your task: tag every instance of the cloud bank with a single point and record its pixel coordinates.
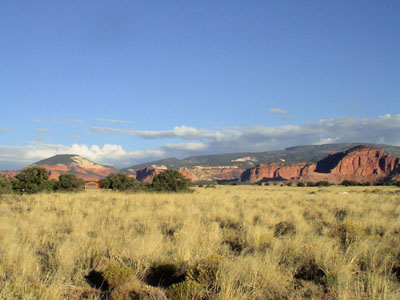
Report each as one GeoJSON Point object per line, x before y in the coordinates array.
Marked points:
{"type": "Point", "coordinates": [384, 129]}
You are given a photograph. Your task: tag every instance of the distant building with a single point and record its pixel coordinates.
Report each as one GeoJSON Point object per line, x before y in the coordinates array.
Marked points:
{"type": "Point", "coordinates": [92, 185]}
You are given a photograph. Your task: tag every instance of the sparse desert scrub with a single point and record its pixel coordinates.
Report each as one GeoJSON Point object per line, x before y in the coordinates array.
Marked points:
{"type": "Point", "coordinates": [229, 242]}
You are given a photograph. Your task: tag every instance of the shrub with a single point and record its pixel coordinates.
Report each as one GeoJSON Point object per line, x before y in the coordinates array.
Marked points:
{"type": "Point", "coordinates": [171, 181]}
{"type": "Point", "coordinates": [69, 183]}
{"type": "Point", "coordinates": [201, 280]}
{"type": "Point", "coordinates": [5, 185]}
{"type": "Point", "coordinates": [323, 183]}
{"type": "Point", "coordinates": [31, 180]}
{"type": "Point", "coordinates": [121, 182]}
{"type": "Point", "coordinates": [116, 275]}
{"type": "Point", "coordinates": [50, 185]}
{"type": "Point", "coordinates": [210, 186]}
{"type": "Point", "coordinates": [188, 289]}
{"type": "Point", "coordinates": [349, 183]}
{"type": "Point", "coordinates": [301, 184]}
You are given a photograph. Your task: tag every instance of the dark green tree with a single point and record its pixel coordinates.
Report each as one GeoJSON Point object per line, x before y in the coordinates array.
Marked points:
{"type": "Point", "coordinates": [5, 185]}
{"type": "Point", "coordinates": [121, 182]}
{"type": "Point", "coordinates": [69, 183]}
{"type": "Point", "coordinates": [31, 180]}
{"type": "Point", "coordinates": [171, 181]}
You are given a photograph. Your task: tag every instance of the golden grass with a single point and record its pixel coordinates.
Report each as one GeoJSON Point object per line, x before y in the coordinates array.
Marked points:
{"type": "Point", "coordinates": [231, 242]}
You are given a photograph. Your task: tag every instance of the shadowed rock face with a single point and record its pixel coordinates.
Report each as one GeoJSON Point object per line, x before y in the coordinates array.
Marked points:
{"type": "Point", "coordinates": [147, 174]}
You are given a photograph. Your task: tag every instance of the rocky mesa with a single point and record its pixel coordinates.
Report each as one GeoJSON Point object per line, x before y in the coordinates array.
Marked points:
{"type": "Point", "coordinates": [359, 164]}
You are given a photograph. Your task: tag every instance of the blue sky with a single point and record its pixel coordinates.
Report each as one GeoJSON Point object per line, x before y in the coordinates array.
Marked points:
{"type": "Point", "coordinates": [122, 82]}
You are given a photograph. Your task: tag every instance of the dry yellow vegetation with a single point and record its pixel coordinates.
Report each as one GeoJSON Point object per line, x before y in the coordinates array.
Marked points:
{"type": "Point", "coordinates": [228, 242]}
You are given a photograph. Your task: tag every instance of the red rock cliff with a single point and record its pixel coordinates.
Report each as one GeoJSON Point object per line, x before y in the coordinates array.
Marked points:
{"type": "Point", "coordinates": [147, 174]}
{"type": "Point", "coordinates": [275, 171]}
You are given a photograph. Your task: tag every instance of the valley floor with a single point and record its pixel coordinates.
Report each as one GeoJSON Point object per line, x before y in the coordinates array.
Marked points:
{"type": "Point", "coordinates": [228, 242]}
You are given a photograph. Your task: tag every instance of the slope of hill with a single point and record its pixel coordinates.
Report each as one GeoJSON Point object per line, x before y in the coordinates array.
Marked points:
{"type": "Point", "coordinates": [74, 164]}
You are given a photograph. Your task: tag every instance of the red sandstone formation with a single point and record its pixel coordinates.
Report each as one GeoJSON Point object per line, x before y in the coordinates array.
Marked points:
{"type": "Point", "coordinates": [359, 164]}
{"type": "Point", "coordinates": [209, 174]}
{"type": "Point", "coordinates": [9, 174]}
{"type": "Point", "coordinates": [275, 171]}
{"type": "Point", "coordinates": [147, 174]}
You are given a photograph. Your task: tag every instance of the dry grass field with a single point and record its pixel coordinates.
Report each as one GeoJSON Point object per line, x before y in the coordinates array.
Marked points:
{"type": "Point", "coordinates": [228, 242]}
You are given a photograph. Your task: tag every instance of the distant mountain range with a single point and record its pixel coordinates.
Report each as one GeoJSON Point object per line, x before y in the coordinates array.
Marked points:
{"type": "Point", "coordinates": [310, 153]}
{"type": "Point", "coordinates": [313, 162]}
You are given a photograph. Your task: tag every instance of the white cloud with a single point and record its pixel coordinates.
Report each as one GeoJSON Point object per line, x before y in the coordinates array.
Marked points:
{"type": "Point", "coordinates": [186, 146]}
{"type": "Point", "coordinates": [42, 129]}
{"type": "Point", "coordinates": [113, 121]}
{"type": "Point", "coordinates": [277, 111]}
{"type": "Point", "coordinates": [69, 121]}
{"type": "Point", "coordinates": [384, 129]}
{"type": "Point", "coordinates": [183, 132]}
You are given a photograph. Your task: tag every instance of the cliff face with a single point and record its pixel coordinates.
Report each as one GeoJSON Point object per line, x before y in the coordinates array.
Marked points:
{"type": "Point", "coordinates": [147, 174]}
{"type": "Point", "coordinates": [365, 162]}
{"type": "Point", "coordinates": [276, 172]}
{"type": "Point", "coordinates": [360, 164]}
{"type": "Point", "coordinates": [211, 173]}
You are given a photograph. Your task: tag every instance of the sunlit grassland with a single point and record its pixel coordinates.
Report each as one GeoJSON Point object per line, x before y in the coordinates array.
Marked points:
{"type": "Point", "coordinates": [228, 242]}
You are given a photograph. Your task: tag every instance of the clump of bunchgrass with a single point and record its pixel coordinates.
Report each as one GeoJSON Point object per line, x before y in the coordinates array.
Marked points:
{"type": "Point", "coordinates": [347, 233]}
{"type": "Point", "coordinates": [284, 228]}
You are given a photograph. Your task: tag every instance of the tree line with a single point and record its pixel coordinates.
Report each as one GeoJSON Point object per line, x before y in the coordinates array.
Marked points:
{"type": "Point", "coordinates": [35, 179]}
